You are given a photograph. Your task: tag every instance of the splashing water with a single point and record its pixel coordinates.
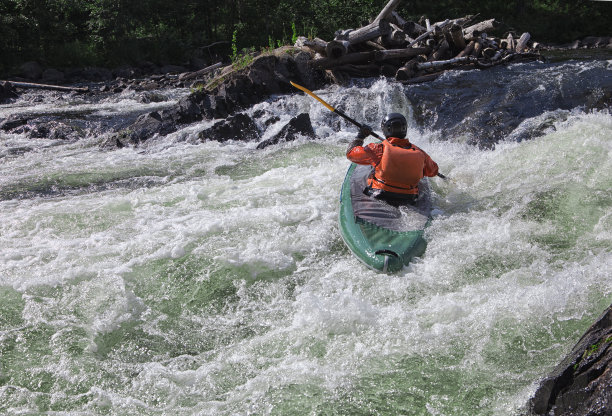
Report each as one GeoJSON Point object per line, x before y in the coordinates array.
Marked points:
{"type": "Point", "coordinates": [209, 278]}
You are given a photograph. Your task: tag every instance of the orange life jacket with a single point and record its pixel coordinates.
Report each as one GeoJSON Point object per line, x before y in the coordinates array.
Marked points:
{"type": "Point", "coordinates": [400, 168]}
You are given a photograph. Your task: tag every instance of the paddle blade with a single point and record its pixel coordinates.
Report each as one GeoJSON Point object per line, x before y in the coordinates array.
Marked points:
{"type": "Point", "coordinates": [313, 95]}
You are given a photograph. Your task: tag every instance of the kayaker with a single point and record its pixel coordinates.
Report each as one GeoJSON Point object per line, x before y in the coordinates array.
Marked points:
{"type": "Point", "coordinates": [398, 164]}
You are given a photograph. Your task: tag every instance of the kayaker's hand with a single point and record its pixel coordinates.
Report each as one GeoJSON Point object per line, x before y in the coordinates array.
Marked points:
{"type": "Point", "coordinates": [364, 131]}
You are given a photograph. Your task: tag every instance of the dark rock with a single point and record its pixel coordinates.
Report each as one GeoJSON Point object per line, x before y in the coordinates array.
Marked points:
{"type": "Point", "coordinates": [172, 69]}
{"type": "Point", "coordinates": [582, 383]}
{"type": "Point", "coordinates": [12, 122]}
{"type": "Point", "coordinates": [31, 70]}
{"type": "Point", "coordinates": [235, 90]}
{"type": "Point", "coordinates": [96, 74]}
{"type": "Point", "coordinates": [237, 127]}
{"type": "Point", "coordinates": [151, 97]}
{"type": "Point", "coordinates": [596, 41]}
{"type": "Point", "coordinates": [7, 92]}
{"type": "Point", "coordinates": [55, 130]}
{"type": "Point", "coordinates": [52, 75]}
{"type": "Point", "coordinates": [299, 125]}
{"type": "Point", "coordinates": [127, 72]}
{"type": "Point", "coordinates": [146, 126]}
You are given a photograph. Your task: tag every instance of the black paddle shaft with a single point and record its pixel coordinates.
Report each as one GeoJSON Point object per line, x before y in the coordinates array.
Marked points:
{"type": "Point", "coordinates": [358, 124]}
{"type": "Point", "coordinates": [355, 122]}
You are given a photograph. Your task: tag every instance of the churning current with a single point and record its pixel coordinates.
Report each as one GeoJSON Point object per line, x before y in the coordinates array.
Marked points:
{"type": "Point", "coordinates": [203, 278]}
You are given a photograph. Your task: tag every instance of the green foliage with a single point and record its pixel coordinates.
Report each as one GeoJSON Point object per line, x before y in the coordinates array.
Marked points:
{"type": "Point", "coordinates": [234, 45]}
{"type": "Point", "coordinates": [294, 34]}
{"type": "Point", "coordinates": [64, 33]}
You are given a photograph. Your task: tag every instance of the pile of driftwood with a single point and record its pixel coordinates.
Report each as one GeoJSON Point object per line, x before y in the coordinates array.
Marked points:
{"type": "Point", "coordinates": [413, 52]}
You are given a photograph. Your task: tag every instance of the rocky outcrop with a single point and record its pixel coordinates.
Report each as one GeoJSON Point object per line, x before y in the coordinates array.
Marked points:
{"type": "Point", "coordinates": [298, 126]}
{"type": "Point", "coordinates": [236, 127]}
{"type": "Point", "coordinates": [582, 383]}
{"type": "Point", "coordinates": [13, 122]}
{"type": "Point", "coordinates": [231, 92]}
{"type": "Point", "coordinates": [7, 92]}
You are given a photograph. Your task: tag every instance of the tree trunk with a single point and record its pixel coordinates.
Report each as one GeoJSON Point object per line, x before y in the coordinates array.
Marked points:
{"type": "Point", "coordinates": [395, 39]}
{"type": "Point", "coordinates": [522, 42]}
{"type": "Point", "coordinates": [196, 74]}
{"type": "Point", "coordinates": [407, 71]}
{"type": "Point", "coordinates": [439, 64]}
{"type": "Point", "coordinates": [316, 44]}
{"type": "Point", "coordinates": [337, 48]}
{"type": "Point", "coordinates": [467, 50]}
{"type": "Point", "coordinates": [477, 49]}
{"type": "Point", "coordinates": [413, 29]}
{"type": "Point", "coordinates": [26, 85]}
{"type": "Point", "coordinates": [478, 28]}
{"type": "Point", "coordinates": [351, 58]}
{"type": "Point", "coordinates": [362, 71]}
{"type": "Point", "coordinates": [455, 38]}
{"type": "Point", "coordinates": [424, 35]}
{"type": "Point", "coordinates": [511, 43]}
{"type": "Point", "coordinates": [423, 78]}
{"type": "Point", "coordinates": [387, 10]}
{"type": "Point", "coordinates": [369, 32]}
{"type": "Point", "coordinates": [399, 53]}
{"type": "Point", "coordinates": [441, 51]}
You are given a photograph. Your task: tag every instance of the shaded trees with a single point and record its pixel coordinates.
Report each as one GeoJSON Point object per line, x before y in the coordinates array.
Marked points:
{"type": "Point", "coordinates": [111, 32]}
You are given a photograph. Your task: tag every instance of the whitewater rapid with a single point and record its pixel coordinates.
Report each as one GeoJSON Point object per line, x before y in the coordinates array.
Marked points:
{"type": "Point", "coordinates": [210, 278]}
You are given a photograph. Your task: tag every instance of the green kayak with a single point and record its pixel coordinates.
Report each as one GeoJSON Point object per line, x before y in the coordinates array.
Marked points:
{"type": "Point", "coordinates": [382, 236]}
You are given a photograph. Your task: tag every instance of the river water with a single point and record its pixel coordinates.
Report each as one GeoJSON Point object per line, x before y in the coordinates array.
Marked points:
{"type": "Point", "coordinates": [204, 278]}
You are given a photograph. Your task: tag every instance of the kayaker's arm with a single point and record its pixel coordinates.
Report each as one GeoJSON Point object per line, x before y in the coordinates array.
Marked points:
{"type": "Point", "coordinates": [364, 131]}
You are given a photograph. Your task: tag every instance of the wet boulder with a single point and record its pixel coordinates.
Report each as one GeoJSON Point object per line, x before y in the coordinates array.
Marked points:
{"type": "Point", "coordinates": [233, 91]}
{"type": "Point", "coordinates": [31, 70]}
{"type": "Point", "coordinates": [7, 92]}
{"type": "Point", "coordinates": [55, 130]}
{"type": "Point", "coordinates": [96, 74]}
{"type": "Point", "coordinates": [145, 126]}
{"type": "Point", "coordinates": [12, 122]}
{"type": "Point", "coordinates": [297, 126]}
{"type": "Point", "coordinates": [580, 384]}
{"type": "Point", "coordinates": [236, 127]}
{"type": "Point", "coordinates": [53, 76]}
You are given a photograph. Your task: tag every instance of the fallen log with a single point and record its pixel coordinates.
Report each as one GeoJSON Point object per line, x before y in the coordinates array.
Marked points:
{"type": "Point", "coordinates": [486, 26]}
{"type": "Point", "coordinates": [441, 52]}
{"type": "Point", "coordinates": [369, 32]}
{"type": "Point", "coordinates": [413, 29]}
{"type": "Point", "coordinates": [337, 48]}
{"type": "Point", "coordinates": [424, 35]}
{"type": "Point", "coordinates": [316, 45]}
{"type": "Point", "coordinates": [374, 45]}
{"type": "Point", "coordinates": [350, 58]}
{"type": "Point", "coordinates": [387, 10]}
{"type": "Point", "coordinates": [395, 38]}
{"type": "Point", "coordinates": [522, 42]}
{"type": "Point", "coordinates": [363, 71]}
{"type": "Point", "coordinates": [26, 85]}
{"type": "Point", "coordinates": [407, 71]}
{"type": "Point", "coordinates": [511, 43]}
{"type": "Point", "coordinates": [399, 53]}
{"type": "Point", "coordinates": [455, 38]}
{"type": "Point", "coordinates": [439, 64]}
{"type": "Point", "coordinates": [196, 74]}
{"type": "Point", "coordinates": [423, 78]}
{"type": "Point", "coordinates": [478, 46]}
{"type": "Point", "coordinates": [467, 50]}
